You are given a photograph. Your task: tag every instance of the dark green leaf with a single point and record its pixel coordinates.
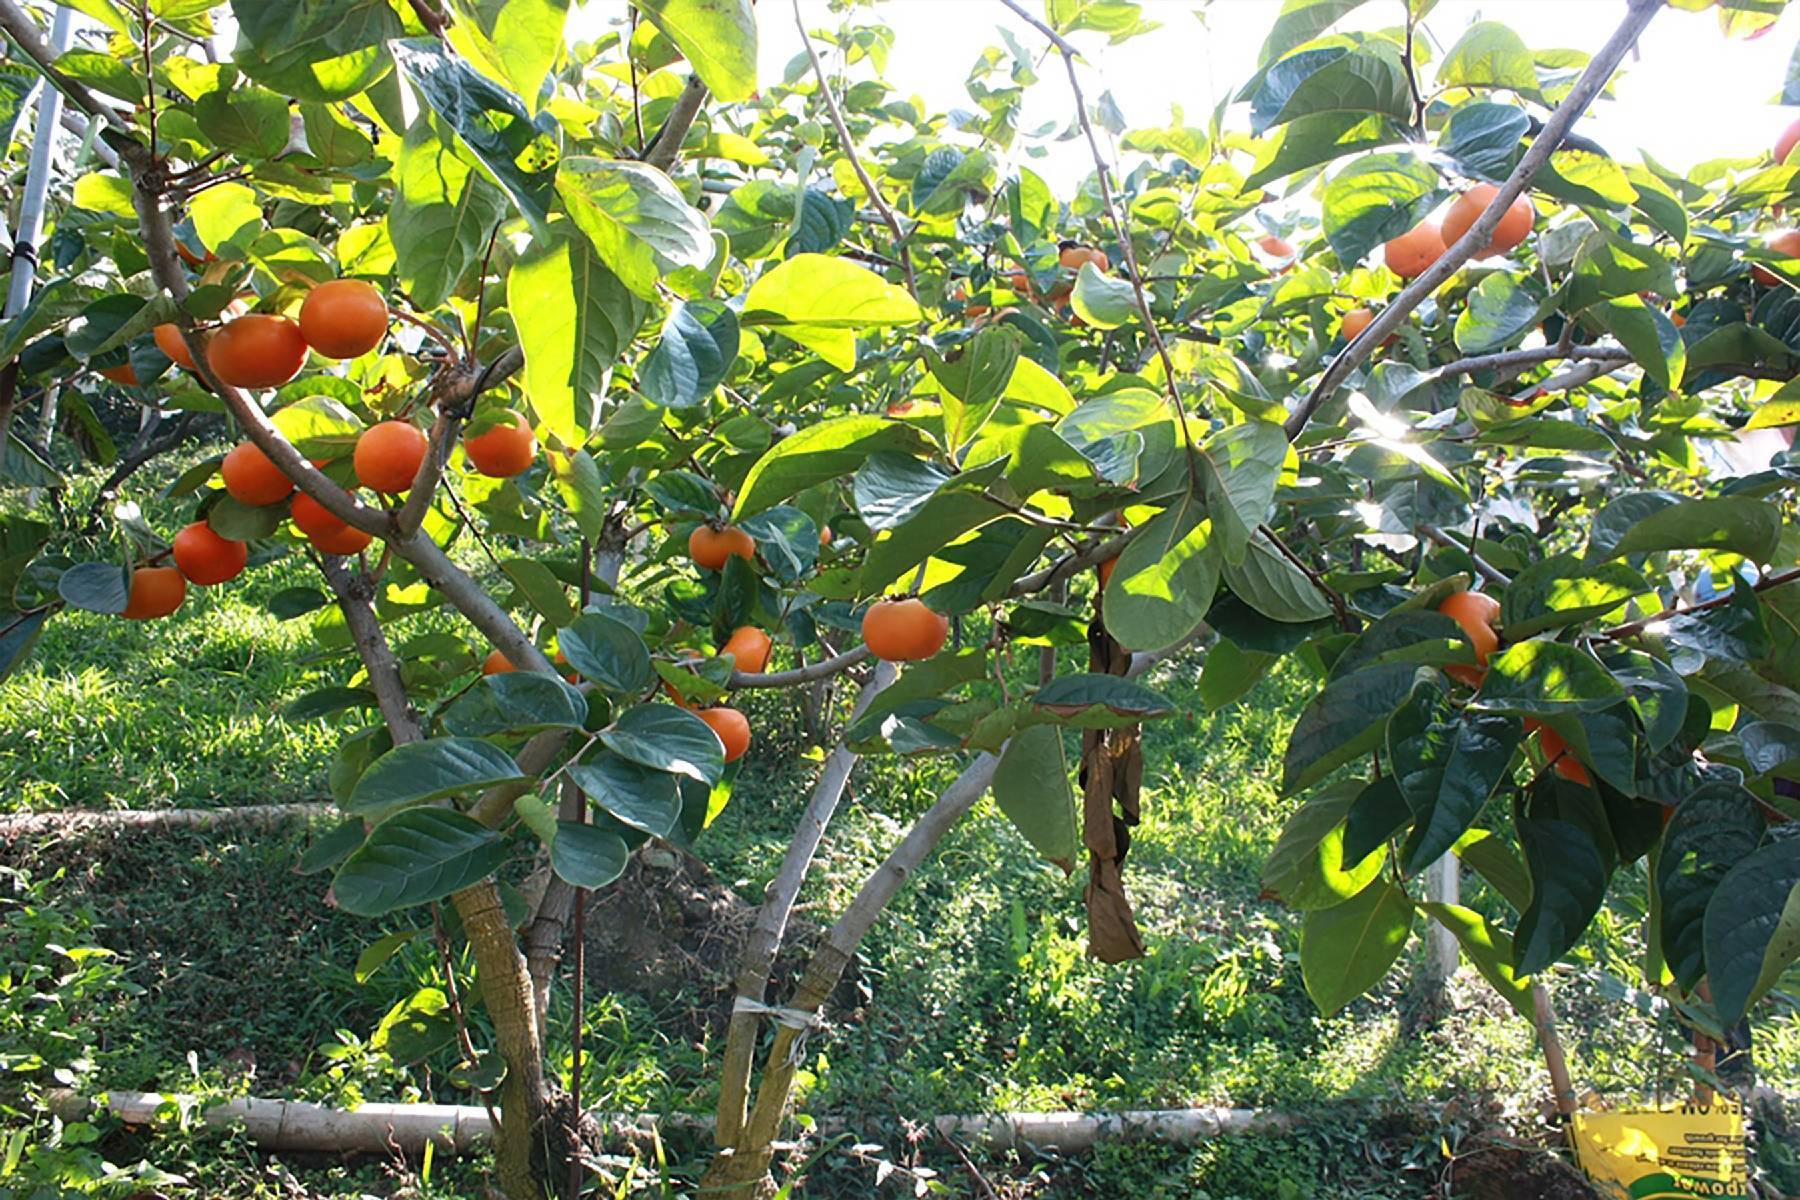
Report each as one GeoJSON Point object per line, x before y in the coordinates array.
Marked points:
{"type": "Point", "coordinates": [430, 770]}
{"type": "Point", "coordinates": [1348, 949]}
{"type": "Point", "coordinates": [416, 856]}
{"type": "Point", "coordinates": [1568, 877]}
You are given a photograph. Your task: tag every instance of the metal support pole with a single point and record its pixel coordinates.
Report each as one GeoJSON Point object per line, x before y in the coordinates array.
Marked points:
{"type": "Point", "coordinates": [37, 177]}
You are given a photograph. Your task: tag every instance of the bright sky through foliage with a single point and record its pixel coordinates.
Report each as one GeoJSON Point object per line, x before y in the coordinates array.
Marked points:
{"type": "Point", "coordinates": [1691, 96]}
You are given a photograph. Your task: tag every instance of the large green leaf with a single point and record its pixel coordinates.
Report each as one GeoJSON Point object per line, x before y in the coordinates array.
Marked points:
{"type": "Point", "coordinates": [574, 318]}
{"type": "Point", "coordinates": [322, 50]}
{"type": "Point", "coordinates": [1568, 877]}
{"type": "Point", "coordinates": [518, 150]}
{"type": "Point", "coordinates": [1481, 748]}
{"type": "Point", "coordinates": [974, 377]}
{"type": "Point", "coordinates": [1308, 868]}
{"type": "Point", "coordinates": [1343, 722]}
{"type": "Point", "coordinates": [1546, 678]}
{"type": "Point", "coordinates": [1369, 79]}
{"type": "Point", "coordinates": [639, 222]}
{"type": "Point", "coordinates": [1299, 22]}
{"type": "Point", "coordinates": [513, 42]}
{"type": "Point", "coordinates": [821, 302]}
{"type": "Point", "coordinates": [1740, 524]}
{"type": "Point", "coordinates": [1376, 198]}
{"type": "Point", "coordinates": [665, 738]}
{"type": "Point", "coordinates": [431, 770]}
{"type": "Point", "coordinates": [690, 360]}
{"type": "Point", "coordinates": [1348, 949]}
{"type": "Point", "coordinates": [1714, 828]}
{"type": "Point", "coordinates": [416, 1027]}
{"type": "Point", "coordinates": [1101, 300]}
{"type": "Point", "coordinates": [416, 856]}
{"type": "Point", "coordinates": [587, 855]}
{"type": "Point", "coordinates": [1753, 928]}
{"type": "Point", "coordinates": [818, 453]}
{"type": "Point", "coordinates": [607, 651]}
{"type": "Point", "coordinates": [1164, 581]}
{"type": "Point", "coordinates": [1031, 786]}
{"type": "Point", "coordinates": [642, 797]}
{"type": "Point", "coordinates": [1655, 343]}
{"type": "Point", "coordinates": [1490, 949]}
{"type": "Point", "coordinates": [1094, 701]}
{"type": "Point", "coordinates": [443, 213]}
{"type": "Point", "coordinates": [1561, 590]}
{"type": "Point", "coordinates": [1240, 466]}
{"type": "Point", "coordinates": [718, 37]}
{"type": "Point", "coordinates": [516, 701]}
{"type": "Point", "coordinates": [1502, 309]}
{"type": "Point", "coordinates": [1271, 583]}
{"type": "Point", "coordinates": [1488, 54]}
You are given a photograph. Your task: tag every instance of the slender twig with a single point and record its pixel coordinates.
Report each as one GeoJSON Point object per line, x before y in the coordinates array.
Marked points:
{"type": "Point", "coordinates": [1103, 170]}
{"type": "Point", "coordinates": [453, 997]}
{"type": "Point", "coordinates": [1517, 360]}
{"type": "Point", "coordinates": [1620, 632]}
{"type": "Point", "coordinates": [1487, 570]}
{"type": "Point", "coordinates": [856, 164]}
{"type": "Point", "coordinates": [1389, 319]}
{"type": "Point", "coordinates": [430, 327]}
{"type": "Point", "coordinates": [430, 17]}
{"type": "Point", "coordinates": [1313, 577]}
{"type": "Point", "coordinates": [812, 672]}
{"type": "Point", "coordinates": [637, 107]}
{"type": "Point", "coordinates": [149, 74]}
{"type": "Point", "coordinates": [425, 483]}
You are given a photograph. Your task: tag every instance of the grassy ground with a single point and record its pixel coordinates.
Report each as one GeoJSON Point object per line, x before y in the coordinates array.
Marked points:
{"type": "Point", "coordinates": [975, 992]}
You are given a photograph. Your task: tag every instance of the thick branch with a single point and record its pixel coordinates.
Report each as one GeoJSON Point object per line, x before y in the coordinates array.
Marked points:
{"type": "Point", "coordinates": [425, 483]}
{"type": "Point", "coordinates": [667, 147]}
{"type": "Point", "coordinates": [353, 597]}
{"type": "Point", "coordinates": [1389, 319]}
{"type": "Point", "coordinates": [1516, 360]}
{"type": "Point", "coordinates": [849, 145]}
{"type": "Point", "coordinates": [18, 25]}
{"type": "Point", "coordinates": [810, 673]}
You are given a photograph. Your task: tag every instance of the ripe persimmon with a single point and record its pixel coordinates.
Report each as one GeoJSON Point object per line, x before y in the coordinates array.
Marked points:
{"type": "Point", "coordinates": [503, 450]}
{"type": "Point", "coordinates": [344, 318]}
{"type": "Point", "coordinates": [1019, 282]}
{"type": "Point", "coordinates": [904, 630]}
{"type": "Point", "coordinates": [170, 342]}
{"type": "Point", "coordinates": [1476, 612]}
{"type": "Point", "coordinates": [1355, 321]}
{"type": "Point", "coordinates": [751, 647]}
{"type": "Point", "coordinates": [1514, 227]}
{"type": "Point", "coordinates": [1275, 247]}
{"type": "Point", "coordinates": [252, 478]}
{"type": "Point", "coordinates": [348, 540]}
{"type": "Point", "coordinates": [1556, 753]}
{"type": "Point", "coordinates": [824, 535]}
{"type": "Point", "coordinates": [710, 547]}
{"type": "Point", "coordinates": [314, 519]}
{"type": "Point", "coordinates": [257, 350]}
{"type": "Point", "coordinates": [1784, 145]}
{"type": "Point", "coordinates": [388, 456]}
{"type": "Point", "coordinates": [124, 374]}
{"type": "Point", "coordinates": [1413, 252]}
{"type": "Point", "coordinates": [496, 663]}
{"type": "Point", "coordinates": [206, 558]}
{"type": "Point", "coordinates": [732, 728]}
{"type": "Point", "coordinates": [1464, 673]}
{"type": "Point", "coordinates": [1075, 257]}
{"type": "Point", "coordinates": [1105, 571]}
{"type": "Point", "coordinates": [155, 592]}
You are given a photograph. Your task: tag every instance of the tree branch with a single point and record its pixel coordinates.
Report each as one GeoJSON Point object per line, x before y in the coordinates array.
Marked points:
{"type": "Point", "coordinates": [862, 174]}
{"type": "Point", "coordinates": [667, 147]}
{"type": "Point", "coordinates": [1489, 572]}
{"type": "Point", "coordinates": [1389, 319]}
{"type": "Point", "coordinates": [810, 673]}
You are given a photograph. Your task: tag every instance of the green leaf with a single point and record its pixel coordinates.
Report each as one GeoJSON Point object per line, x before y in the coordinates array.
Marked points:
{"type": "Point", "coordinates": [1655, 344]}
{"type": "Point", "coordinates": [1164, 581]}
{"type": "Point", "coordinates": [574, 318]}
{"type": "Point", "coordinates": [587, 855]}
{"type": "Point", "coordinates": [1031, 786]}
{"type": "Point", "coordinates": [1753, 928]}
{"type": "Point", "coordinates": [1490, 857]}
{"type": "Point", "coordinates": [332, 848]}
{"type": "Point", "coordinates": [1091, 701]}
{"type": "Point", "coordinates": [1489, 54]}
{"type": "Point", "coordinates": [1323, 138]}
{"type": "Point", "coordinates": [540, 588]}
{"type": "Point", "coordinates": [1269, 582]}
{"type": "Point", "coordinates": [248, 121]}
{"type": "Point", "coordinates": [95, 586]}
{"type": "Point", "coordinates": [1547, 678]}
{"type": "Point", "coordinates": [637, 219]}
{"type": "Point", "coordinates": [1568, 879]}
{"type": "Point", "coordinates": [1343, 722]}
{"type": "Point", "coordinates": [1369, 79]}
{"type": "Point", "coordinates": [717, 36]}
{"type": "Point", "coordinates": [973, 379]}
{"type": "Point", "coordinates": [1490, 949]}
{"type": "Point", "coordinates": [1308, 868]}
{"type": "Point", "coordinates": [320, 428]}
{"type": "Point", "coordinates": [516, 702]}
{"type": "Point", "coordinates": [1348, 949]}
{"type": "Point", "coordinates": [376, 953]}
{"type": "Point", "coordinates": [420, 772]}
{"type": "Point", "coordinates": [1501, 310]}
{"type": "Point", "coordinates": [514, 42]}
{"type": "Point", "coordinates": [1481, 748]}
{"type": "Point", "coordinates": [1561, 590]}
{"type": "Point", "coordinates": [1230, 672]}
{"type": "Point", "coordinates": [417, 1027]}
{"type": "Point", "coordinates": [1100, 300]}
{"type": "Point", "coordinates": [1378, 812]}
{"type": "Point", "coordinates": [1713, 828]}
{"type": "Point", "coordinates": [444, 212]}
{"type": "Point", "coordinates": [1740, 524]}
{"type": "Point", "coordinates": [640, 796]}
{"type": "Point", "coordinates": [608, 652]}
{"type": "Point", "coordinates": [416, 856]}
{"type": "Point", "coordinates": [519, 151]}
{"type": "Point", "coordinates": [1240, 466]}
{"type": "Point", "coordinates": [227, 219]}
{"type": "Point", "coordinates": [327, 702]}
{"type": "Point", "coordinates": [1299, 22]}
{"type": "Point", "coordinates": [821, 302]}
{"type": "Point", "coordinates": [1484, 137]}
{"type": "Point", "coordinates": [665, 738]}
{"type": "Point", "coordinates": [323, 50]}
{"type": "Point", "coordinates": [1376, 198]}
{"type": "Point", "coordinates": [699, 342]}
{"type": "Point", "coordinates": [816, 454]}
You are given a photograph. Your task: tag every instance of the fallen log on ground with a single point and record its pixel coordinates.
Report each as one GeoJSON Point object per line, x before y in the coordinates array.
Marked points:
{"type": "Point", "coordinates": [71, 820]}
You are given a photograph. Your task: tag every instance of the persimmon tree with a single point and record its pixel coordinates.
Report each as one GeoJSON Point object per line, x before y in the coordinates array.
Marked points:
{"type": "Point", "coordinates": [647, 369]}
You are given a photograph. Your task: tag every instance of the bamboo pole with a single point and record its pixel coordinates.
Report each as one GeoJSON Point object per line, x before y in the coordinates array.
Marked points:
{"type": "Point", "coordinates": [172, 818]}
{"type": "Point", "coordinates": [37, 177]}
